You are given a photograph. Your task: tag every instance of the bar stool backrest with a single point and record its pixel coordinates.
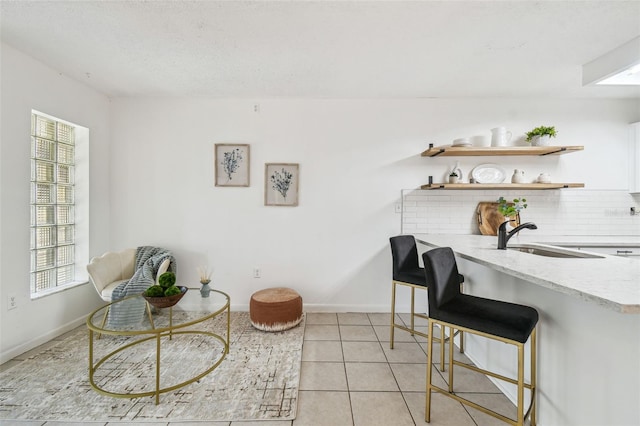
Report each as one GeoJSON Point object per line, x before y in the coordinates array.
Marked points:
{"type": "Point", "coordinates": [404, 253]}
{"type": "Point", "coordinates": [442, 276]}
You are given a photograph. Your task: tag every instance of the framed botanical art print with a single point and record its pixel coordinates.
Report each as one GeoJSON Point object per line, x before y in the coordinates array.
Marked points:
{"type": "Point", "coordinates": [232, 164]}
{"type": "Point", "coordinates": [281, 181]}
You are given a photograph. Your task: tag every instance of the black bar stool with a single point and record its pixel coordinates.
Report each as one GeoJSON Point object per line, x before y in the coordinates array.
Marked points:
{"type": "Point", "coordinates": [407, 272]}
{"type": "Point", "coordinates": [494, 319]}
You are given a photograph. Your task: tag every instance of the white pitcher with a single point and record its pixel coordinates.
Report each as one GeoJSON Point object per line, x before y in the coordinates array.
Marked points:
{"type": "Point", "coordinates": [500, 136]}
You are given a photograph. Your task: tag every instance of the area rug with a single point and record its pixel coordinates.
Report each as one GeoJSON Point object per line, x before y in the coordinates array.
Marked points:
{"type": "Point", "coordinates": [258, 379]}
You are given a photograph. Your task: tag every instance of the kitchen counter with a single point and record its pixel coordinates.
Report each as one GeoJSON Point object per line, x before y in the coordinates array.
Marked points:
{"type": "Point", "coordinates": [611, 282]}
{"type": "Point", "coordinates": [588, 332]}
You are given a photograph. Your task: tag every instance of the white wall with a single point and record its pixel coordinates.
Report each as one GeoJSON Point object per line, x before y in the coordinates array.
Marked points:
{"type": "Point", "coordinates": [152, 183]}
{"type": "Point", "coordinates": [332, 248]}
{"type": "Point", "coordinates": [354, 155]}
{"type": "Point", "coordinates": [26, 85]}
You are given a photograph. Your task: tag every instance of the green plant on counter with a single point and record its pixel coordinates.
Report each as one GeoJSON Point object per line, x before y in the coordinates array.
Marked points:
{"type": "Point", "coordinates": [542, 131]}
{"type": "Point", "coordinates": [508, 209]}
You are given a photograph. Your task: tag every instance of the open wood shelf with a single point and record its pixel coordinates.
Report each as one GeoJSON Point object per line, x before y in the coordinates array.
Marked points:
{"type": "Point", "coordinates": [480, 186]}
{"type": "Point", "coordinates": [471, 151]}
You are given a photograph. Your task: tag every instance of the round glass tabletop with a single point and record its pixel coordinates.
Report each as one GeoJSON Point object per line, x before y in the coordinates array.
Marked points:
{"type": "Point", "coordinates": [133, 315]}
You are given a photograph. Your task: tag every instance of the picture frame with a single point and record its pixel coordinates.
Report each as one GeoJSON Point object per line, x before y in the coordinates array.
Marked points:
{"type": "Point", "coordinates": [232, 163]}
{"type": "Point", "coordinates": [281, 183]}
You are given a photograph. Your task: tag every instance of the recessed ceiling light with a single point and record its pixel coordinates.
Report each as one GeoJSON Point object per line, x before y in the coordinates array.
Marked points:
{"type": "Point", "coordinates": [620, 66]}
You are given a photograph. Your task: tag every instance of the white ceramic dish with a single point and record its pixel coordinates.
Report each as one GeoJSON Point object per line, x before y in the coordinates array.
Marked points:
{"type": "Point", "coordinates": [488, 173]}
{"type": "Point", "coordinates": [461, 142]}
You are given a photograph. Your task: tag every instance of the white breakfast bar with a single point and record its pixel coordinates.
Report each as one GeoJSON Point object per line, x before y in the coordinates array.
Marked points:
{"type": "Point", "coordinates": [589, 335]}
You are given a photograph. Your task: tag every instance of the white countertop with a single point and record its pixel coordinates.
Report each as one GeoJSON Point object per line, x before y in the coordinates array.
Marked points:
{"type": "Point", "coordinates": [612, 282]}
{"type": "Point", "coordinates": [583, 240]}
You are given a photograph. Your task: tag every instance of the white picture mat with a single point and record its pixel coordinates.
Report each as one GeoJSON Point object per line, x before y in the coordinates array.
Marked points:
{"type": "Point", "coordinates": [281, 185]}
{"type": "Point", "coordinates": [232, 164]}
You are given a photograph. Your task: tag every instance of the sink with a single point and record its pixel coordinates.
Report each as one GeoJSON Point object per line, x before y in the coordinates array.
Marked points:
{"type": "Point", "coordinates": [552, 251]}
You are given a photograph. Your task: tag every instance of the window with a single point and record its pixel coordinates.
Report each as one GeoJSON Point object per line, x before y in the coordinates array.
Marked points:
{"type": "Point", "coordinates": [52, 204]}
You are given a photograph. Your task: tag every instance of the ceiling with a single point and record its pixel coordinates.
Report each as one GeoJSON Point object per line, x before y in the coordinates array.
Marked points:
{"type": "Point", "coordinates": [325, 49]}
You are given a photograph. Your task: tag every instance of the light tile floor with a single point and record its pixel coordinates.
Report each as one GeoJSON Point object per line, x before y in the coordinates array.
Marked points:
{"type": "Point", "coordinates": [351, 377]}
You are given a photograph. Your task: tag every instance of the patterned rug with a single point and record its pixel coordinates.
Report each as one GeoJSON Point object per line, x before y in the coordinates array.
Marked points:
{"type": "Point", "coordinates": [258, 380]}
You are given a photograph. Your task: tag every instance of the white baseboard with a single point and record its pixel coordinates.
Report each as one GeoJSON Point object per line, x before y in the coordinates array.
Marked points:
{"type": "Point", "coordinates": [11, 353]}
{"type": "Point", "coordinates": [307, 307]}
{"type": "Point", "coordinates": [318, 307]}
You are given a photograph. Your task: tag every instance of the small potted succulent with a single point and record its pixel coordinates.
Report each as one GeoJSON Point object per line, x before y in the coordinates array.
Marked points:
{"type": "Point", "coordinates": [453, 177]}
{"type": "Point", "coordinates": [541, 135]}
{"type": "Point", "coordinates": [205, 279]}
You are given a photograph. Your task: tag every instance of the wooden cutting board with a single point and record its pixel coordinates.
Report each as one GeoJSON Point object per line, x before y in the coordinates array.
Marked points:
{"type": "Point", "coordinates": [489, 219]}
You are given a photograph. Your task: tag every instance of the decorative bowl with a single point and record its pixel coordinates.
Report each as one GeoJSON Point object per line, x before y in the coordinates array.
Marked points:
{"type": "Point", "coordinates": [166, 301]}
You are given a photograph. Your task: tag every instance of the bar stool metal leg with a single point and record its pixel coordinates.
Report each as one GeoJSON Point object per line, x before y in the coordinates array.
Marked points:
{"type": "Point", "coordinates": [533, 380]}
{"type": "Point", "coordinates": [521, 384]}
{"type": "Point", "coordinates": [442, 341]}
{"type": "Point", "coordinates": [413, 308]}
{"type": "Point", "coordinates": [451, 359]}
{"type": "Point", "coordinates": [427, 415]}
{"type": "Point", "coordinates": [393, 312]}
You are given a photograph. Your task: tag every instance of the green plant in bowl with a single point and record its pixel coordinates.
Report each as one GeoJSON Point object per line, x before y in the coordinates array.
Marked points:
{"type": "Point", "coordinates": [172, 291]}
{"type": "Point", "coordinates": [542, 131]}
{"type": "Point", "coordinates": [167, 279]}
{"type": "Point", "coordinates": [154, 291]}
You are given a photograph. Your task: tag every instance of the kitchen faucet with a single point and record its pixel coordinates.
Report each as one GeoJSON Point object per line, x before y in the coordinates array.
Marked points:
{"type": "Point", "coordinates": [504, 236]}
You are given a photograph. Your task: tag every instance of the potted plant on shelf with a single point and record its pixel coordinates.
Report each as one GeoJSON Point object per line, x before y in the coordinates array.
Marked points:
{"type": "Point", "coordinates": [511, 210]}
{"type": "Point", "coordinates": [453, 177]}
{"type": "Point", "coordinates": [541, 135]}
{"type": "Point", "coordinates": [205, 279]}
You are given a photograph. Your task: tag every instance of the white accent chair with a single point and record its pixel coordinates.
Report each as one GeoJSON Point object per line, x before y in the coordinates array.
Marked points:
{"type": "Point", "coordinates": [106, 272]}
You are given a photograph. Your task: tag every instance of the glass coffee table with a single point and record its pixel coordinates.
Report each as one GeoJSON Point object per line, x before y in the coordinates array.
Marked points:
{"type": "Point", "coordinates": [124, 335]}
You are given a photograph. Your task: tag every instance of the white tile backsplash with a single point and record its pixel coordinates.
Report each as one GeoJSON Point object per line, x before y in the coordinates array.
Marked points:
{"type": "Point", "coordinates": [555, 212]}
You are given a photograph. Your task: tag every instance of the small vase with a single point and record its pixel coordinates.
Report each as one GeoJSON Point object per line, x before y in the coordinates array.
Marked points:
{"type": "Point", "coordinates": [518, 176]}
{"type": "Point", "coordinates": [205, 289]}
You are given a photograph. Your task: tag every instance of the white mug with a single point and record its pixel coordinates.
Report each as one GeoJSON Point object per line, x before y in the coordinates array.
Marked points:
{"type": "Point", "coordinates": [500, 136]}
{"type": "Point", "coordinates": [480, 140]}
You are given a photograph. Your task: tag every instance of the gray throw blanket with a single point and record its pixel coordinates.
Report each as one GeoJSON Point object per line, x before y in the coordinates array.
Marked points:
{"type": "Point", "coordinates": [147, 262]}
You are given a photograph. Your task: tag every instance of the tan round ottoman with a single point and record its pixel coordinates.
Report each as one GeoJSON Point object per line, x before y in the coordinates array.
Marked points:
{"type": "Point", "coordinates": [275, 309]}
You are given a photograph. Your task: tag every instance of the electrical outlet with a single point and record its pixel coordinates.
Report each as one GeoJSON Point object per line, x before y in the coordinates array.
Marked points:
{"type": "Point", "coordinates": [12, 301]}
{"type": "Point", "coordinates": [256, 272]}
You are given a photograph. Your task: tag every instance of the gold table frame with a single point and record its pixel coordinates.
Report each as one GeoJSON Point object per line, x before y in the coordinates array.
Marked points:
{"type": "Point", "coordinates": [158, 334]}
